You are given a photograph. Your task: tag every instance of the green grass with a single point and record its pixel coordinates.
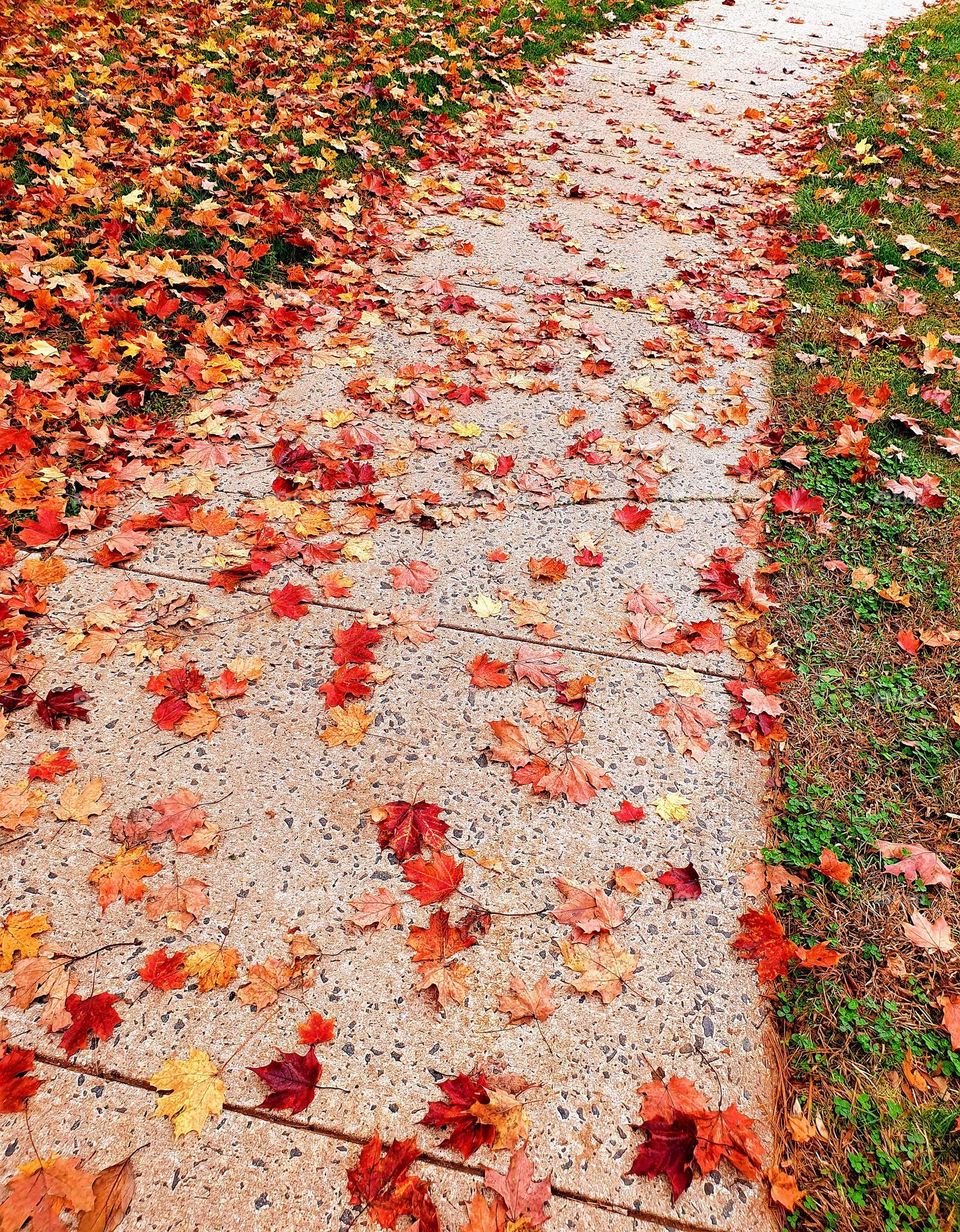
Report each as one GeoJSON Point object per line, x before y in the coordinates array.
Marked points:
{"type": "Point", "coordinates": [875, 737]}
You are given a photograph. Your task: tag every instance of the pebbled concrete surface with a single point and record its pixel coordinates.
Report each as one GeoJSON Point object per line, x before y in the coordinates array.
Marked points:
{"type": "Point", "coordinates": [663, 180]}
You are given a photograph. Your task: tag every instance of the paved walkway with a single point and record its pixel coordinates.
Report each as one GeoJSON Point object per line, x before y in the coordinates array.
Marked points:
{"type": "Point", "coordinates": [564, 342]}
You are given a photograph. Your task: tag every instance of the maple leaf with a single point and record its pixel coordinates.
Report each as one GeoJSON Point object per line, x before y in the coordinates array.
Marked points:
{"type": "Point", "coordinates": [929, 934]}
{"type": "Point", "coordinates": [407, 827]}
{"type": "Point", "coordinates": [502, 1111]}
{"type": "Point", "coordinates": [668, 1151]}
{"type": "Point", "coordinates": [434, 880]}
{"type": "Point", "coordinates": [381, 1183]}
{"type": "Point", "coordinates": [375, 909]}
{"type": "Point", "coordinates": [685, 719]}
{"type": "Point", "coordinates": [179, 814]}
{"type": "Point", "coordinates": [546, 569]}
{"type": "Point", "coordinates": [587, 911]}
{"type": "Point", "coordinates": [683, 883]}
{"type": "Point", "coordinates": [440, 939]}
{"type": "Point", "coordinates": [951, 1019]}
{"type": "Point", "coordinates": [602, 970]}
{"type": "Point", "coordinates": [20, 806]}
{"type": "Point", "coordinates": [90, 1016]}
{"type": "Point", "coordinates": [632, 518]}
{"type": "Point", "coordinates": [46, 767]}
{"type": "Point", "coordinates": [60, 706]}
{"type": "Point", "coordinates": [45, 527]}
{"type": "Point", "coordinates": [509, 743]}
{"type": "Point", "coordinates": [348, 725]}
{"type": "Point", "coordinates": [678, 1096]}
{"type": "Point", "coordinates": [290, 602]}
{"type": "Point", "coordinates": [352, 645]}
{"type": "Point", "coordinates": [81, 803]}
{"type": "Point", "coordinates": [797, 501]}
{"type": "Point", "coordinates": [728, 1135]}
{"type": "Point", "coordinates": [17, 1082]}
{"type": "Point", "coordinates": [628, 813]}
{"type": "Point", "coordinates": [523, 1004]}
{"type": "Point", "coordinates": [49, 979]}
{"type": "Point", "coordinates": [540, 665]}
{"type": "Point", "coordinates": [20, 933]}
{"type": "Point", "coordinates": [292, 1081]}
{"type": "Point", "coordinates": [416, 575]}
{"type": "Point", "coordinates": [762, 939]}
{"type": "Point", "coordinates": [354, 680]}
{"type": "Point", "coordinates": [193, 1092]}
{"type": "Point", "coordinates": [915, 862]}
{"type": "Point", "coordinates": [578, 780]}
{"type": "Point", "coordinates": [315, 1029]}
{"type": "Point", "coordinates": [164, 971]}
{"type": "Point", "coordinates": [487, 673]}
{"type": "Point", "coordinates": [113, 1190]}
{"type": "Point", "coordinates": [834, 868]}
{"type": "Point", "coordinates": [122, 876]}
{"type": "Point", "coordinates": [447, 981]}
{"type": "Point", "coordinates": [215, 966]}
{"type": "Point", "coordinates": [485, 1215]}
{"type": "Point", "coordinates": [180, 903]}
{"type": "Point", "coordinates": [265, 982]}
{"type": "Point", "coordinates": [523, 1197]}
{"type": "Point", "coordinates": [784, 1189]}
{"type": "Point", "coordinates": [41, 1190]}
{"type": "Point", "coordinates": [455, 1113]}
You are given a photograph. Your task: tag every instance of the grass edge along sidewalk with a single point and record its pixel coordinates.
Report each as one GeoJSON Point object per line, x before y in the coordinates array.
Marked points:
{"type": "Point", "coordinates": [862, 529]}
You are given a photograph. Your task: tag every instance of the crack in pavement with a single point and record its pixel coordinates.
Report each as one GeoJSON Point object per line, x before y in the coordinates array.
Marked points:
{"type": "Point", "coordinates": [339, 1135]}
{"type": "Point", "coordinates": [454, 626]}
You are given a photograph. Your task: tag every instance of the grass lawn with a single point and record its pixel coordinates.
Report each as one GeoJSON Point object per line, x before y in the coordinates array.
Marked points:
{"type": "Point", "coordinates": [866, 412]}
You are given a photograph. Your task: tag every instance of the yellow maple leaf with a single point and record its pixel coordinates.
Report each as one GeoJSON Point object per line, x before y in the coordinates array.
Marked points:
{"type": "Point", "coordinates": [20, 936]}
{"type": "Point", "coordinates": [348, 725]}
{"type": "Point", "coordinates": [508, 1117]}
{"type": "Point", "coordinates": [81, 803]}
{"type": "Point", "coordinates": [213, 965]}
{"type": "Point", "coordinates": [194, 1092]}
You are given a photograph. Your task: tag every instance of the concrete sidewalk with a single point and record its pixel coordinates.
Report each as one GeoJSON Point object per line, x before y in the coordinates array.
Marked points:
{"type": "Point", "coordinates": [570, 336]}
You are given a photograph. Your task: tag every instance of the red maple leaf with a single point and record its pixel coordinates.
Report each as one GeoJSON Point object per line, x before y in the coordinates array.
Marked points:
{"type": "Point", "coordinates": [61, 705]}
{"type": "Point", "coordinates": [164, 971]}
{"type": "Point", "coordinates": [628, 812]}
{"type": "Point", "coordinates": [762, 938]}
{"type": "Point", "coordinates": [380, 1183]}
{"type": "Point", "coordinates": [668, 1151]}
{"type": "Point", "coordinates": [348, 681]}
{"type": "Point", "coordinates": [91, 1016]}
{"type": "Point", "coordinates": [315, 1029]}
{"type": "Point", "coordinates": [487, 673]}
{"type": "Point", "coordinates": [292, 1081]}
{"type": "Point", "coordinates": [453, 1113]}
{"type": "Point", "coordinates": [797, 500]}
{"type": "Point", "coordinates": [683, 883]}
{"type": "Point", "coordinates": [290, 601]}
{"type": "Point", "coordinates": [17, 1083]}
{"type": "Point", "coordinates": [405, 828]}
{"type": "Point", "coordinates": [352, 645]}
{"type": "Point", "coordinates": [728, 1135]}
{"type": "Point", "coordinates": [45, 528]}
{"type": "Point", "coordinates": [632, 517]}
{"type": "Point", "coordinates": [433, 880]}
{"type": "Point", "coordinates": [48, 766]}
{"type": "Point", "coordinates": [440, 939]}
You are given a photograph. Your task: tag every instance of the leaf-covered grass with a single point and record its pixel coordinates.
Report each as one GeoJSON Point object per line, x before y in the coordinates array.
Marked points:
{"type": "Point", "coordinates": [868, 593]}
{"type": "Point", "coordinates": [174, 178]}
